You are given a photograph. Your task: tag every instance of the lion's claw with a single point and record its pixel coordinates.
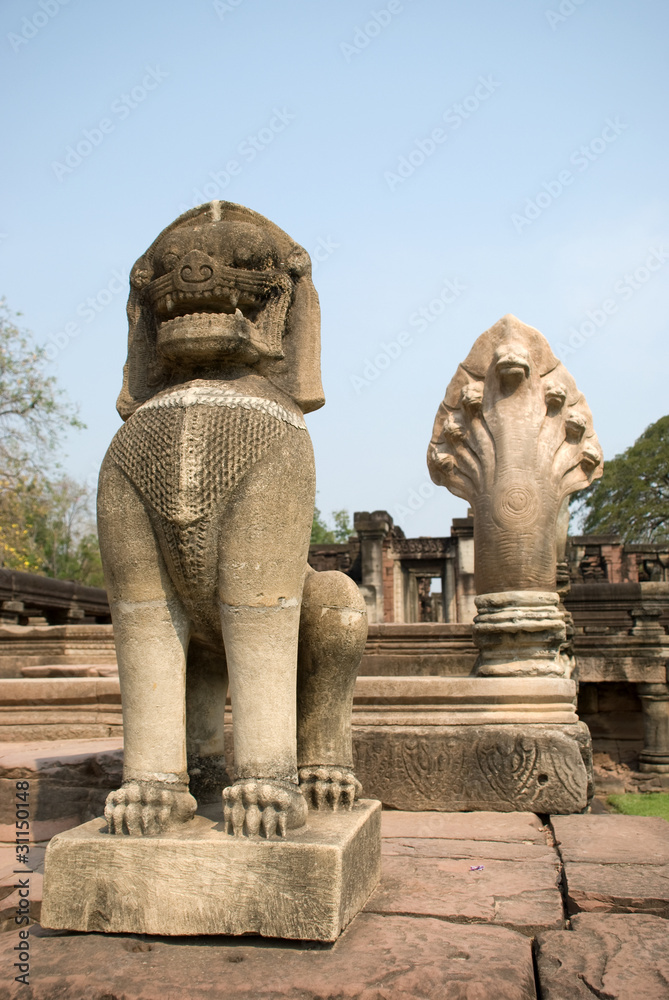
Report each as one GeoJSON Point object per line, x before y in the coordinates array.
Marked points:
{"type": "Point", "coordinates": [140, 808]}
{"type": "Point", "coordinates": [327, 787]}
{"type": "Point", "coordinates": [253, 807]}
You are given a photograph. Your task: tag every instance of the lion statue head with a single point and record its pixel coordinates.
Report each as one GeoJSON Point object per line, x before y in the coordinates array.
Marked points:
{"type": "Point", "coordinates": [222, 287]}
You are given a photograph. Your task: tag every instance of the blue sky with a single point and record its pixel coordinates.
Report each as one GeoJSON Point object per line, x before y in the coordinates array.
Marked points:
{"type": "Point", "coordinates": [445, 163]}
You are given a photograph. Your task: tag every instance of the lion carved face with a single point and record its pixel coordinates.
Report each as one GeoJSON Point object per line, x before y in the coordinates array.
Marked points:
{"type": "Point", "coordinates": [217, 291]}
{"type": "Point", "coordinates": [222, 286]}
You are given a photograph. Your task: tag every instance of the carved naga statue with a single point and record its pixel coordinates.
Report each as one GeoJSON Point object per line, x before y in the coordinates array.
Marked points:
{"type": "Point", "coordinates": [514, 437]}
{"type": "Point", "coordinates": [205, 507]}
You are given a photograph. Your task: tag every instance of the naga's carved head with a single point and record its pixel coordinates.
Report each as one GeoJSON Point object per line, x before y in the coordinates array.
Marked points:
{"type": "Point", "coordinates": [222, 286]}
{"type": "Point", "coordinates": [514, 437]}
{"type": "Point", "coordinates": [513, 404]}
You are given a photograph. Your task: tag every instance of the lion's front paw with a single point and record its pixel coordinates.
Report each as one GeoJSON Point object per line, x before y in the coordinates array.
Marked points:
{"type": "Point", "coordinates": [255, 806]}
{"type": "Point", "coordinates": [328, 787]}
{"type": "Point", "coordinates": [140, 808]}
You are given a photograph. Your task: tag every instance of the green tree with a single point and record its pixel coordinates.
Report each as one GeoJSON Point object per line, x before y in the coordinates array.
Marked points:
{"type": "Point", "coordinates": [46, 521]}
{"type": "Point", "coordinates": [342, 528]}
{"type": "Point", "coordinates": [34, 414]}
{"type": "Point", "coordinates": [632, 497]}
{"type": "Point", "coordinates": [322, 535]}
{"type": "Point", "coordinates": [66, 533]}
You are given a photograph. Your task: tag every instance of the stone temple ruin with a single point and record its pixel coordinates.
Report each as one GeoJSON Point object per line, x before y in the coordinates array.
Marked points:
{"type": "Point", "coordinates": [265, 686]}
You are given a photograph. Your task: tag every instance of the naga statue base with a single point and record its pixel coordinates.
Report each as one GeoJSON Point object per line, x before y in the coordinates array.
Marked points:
{"type": "Point", "coordinates": [455, 744]}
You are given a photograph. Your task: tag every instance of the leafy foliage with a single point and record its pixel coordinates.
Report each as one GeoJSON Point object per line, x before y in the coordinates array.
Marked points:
{"type": "Point", "coordinates": [322, 535]}
{"type": "Point", "coordinates": [48, 527]}
{"type": "Point", "coordinates": [33, 413]}
{"type": "Point", "coordinates": [46, 520]}
{"type": "Point", "coordinates": [632, 497]}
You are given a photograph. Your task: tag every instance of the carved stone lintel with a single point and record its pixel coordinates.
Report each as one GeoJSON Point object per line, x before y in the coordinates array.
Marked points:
{"type": "Point", "coordinates": [655, 706]}
{"type": "Point", "coordinates": [520, 633]}
{"type": "Point", "coordinates": [508, 768]}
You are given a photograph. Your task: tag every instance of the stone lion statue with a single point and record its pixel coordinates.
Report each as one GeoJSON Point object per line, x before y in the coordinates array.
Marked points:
{"type": "Point", "coordinates": [205, 506]}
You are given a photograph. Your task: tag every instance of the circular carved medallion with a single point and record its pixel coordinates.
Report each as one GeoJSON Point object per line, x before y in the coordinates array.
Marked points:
{"type": "Point", "coordinates": [515, 503]}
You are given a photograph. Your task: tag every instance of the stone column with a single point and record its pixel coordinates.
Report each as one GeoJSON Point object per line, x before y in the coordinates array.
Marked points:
{"type": "Point", "coordinates": [520, 633]}
{"type": "Point", "coordinates": [372, 529]}
{"type": "Point", "coordinates": [448, 587]}
{"type": "Point", "coordinates": [655, 705]}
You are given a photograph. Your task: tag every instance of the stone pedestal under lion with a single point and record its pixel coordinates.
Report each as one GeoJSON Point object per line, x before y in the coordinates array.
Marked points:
{"type": "Point", "coordinates": [205, 505]}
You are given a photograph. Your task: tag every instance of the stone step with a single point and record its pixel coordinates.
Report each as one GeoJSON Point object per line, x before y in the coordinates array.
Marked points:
{"type": "Point", "coordinates": [71, 670]}
{"type": "Point", "coordinates": [68, 703]}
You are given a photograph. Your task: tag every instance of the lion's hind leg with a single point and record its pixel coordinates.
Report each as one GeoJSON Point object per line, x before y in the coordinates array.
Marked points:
{"type": "Point", "coordinates": [333, 631]}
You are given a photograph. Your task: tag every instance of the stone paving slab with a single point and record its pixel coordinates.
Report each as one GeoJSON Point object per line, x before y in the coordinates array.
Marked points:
{"type": "Point", "coordinates": [612, 839]}
{"type": "Point", "coordinates": [8, 865]}
{"type": "Point", "coordinates": [376, 958]}
{"type": "Point", "coordinates": [615, 864]}
{"type": "Point", "coordinates": [474, 850]}
{"type": "Point", "coordinates": [593, 888]}
{"type": "Point", "coordinates": [69, 782]}
{"type": "Point", "coordinates": [612, 956]}
{"type": "Point", "coordinates": [524, 828]}
{"type": "Point", "coordinates": [522, 896]}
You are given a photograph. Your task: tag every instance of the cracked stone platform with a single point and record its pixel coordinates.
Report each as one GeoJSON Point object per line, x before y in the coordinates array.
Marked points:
{"type": "Point", "coordinates": [482, 879]}
{"type": "Point", "coordinates": [461, 934]}
{"type": "Point", "coordinates": [615, 864]}
{"type": "Point", "coordinates": [611, 956]}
